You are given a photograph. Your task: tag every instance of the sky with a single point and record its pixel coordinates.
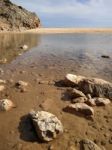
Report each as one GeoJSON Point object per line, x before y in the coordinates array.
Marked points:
{"type": "Point", "coordinates": [71, 13]}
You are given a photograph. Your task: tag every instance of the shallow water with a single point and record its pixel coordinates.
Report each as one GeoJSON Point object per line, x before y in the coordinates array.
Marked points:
{"type": "Point", "coordinates": [77, 53]}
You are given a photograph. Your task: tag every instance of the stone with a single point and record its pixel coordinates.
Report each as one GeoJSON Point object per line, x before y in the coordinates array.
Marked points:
{"type": "Point", "coordinates": [94, 86]}
{"type": "Point", "coordinates": [101, 101]}
{"type": "Point", "coordinates": [72, 80]}
{"type": "Point", "coordinates": [21, 84]}
{"type": "Point", "coordinates": [6, 104]}
{"type": "Point", "coordinates": [2, 87]}
{"type": "Point", "coordinates": [79, 100]}
{"type": "Point", "coordinates": [89, 145]}
{"type": "Point", "coordinates": [2, 81]}
{"type": "Point", "coordinates": [1, 71]}
{"type": "Point", "coordinates": [3, 61]}
{"type": "Point", "coordinates": [74, 93]}
{"type": "Point", "coordinates": [24, 47]}
{"type": "Point", "coordinates": [47, 125]}
{"type": "Point", "coordinates": [81, 108]}
{"type": "Point", "coordinates": [105, 56]}
{"type": "Point", "coordinates": [91, 102]}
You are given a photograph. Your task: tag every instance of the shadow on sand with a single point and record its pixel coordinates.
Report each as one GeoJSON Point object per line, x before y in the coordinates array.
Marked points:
{"type": "Point", "coordinates": [27, 130]}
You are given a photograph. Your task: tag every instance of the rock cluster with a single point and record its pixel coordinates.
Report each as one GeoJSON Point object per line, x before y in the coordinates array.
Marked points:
{"type": "Point", "coordinates": [16, 18]}
{"type": "Point", "coordinates": [86, 92]}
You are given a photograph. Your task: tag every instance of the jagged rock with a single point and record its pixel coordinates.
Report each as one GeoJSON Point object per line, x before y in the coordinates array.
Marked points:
{"type": "Point", "coordinates": [47, 125]}
{"type": "Point", "coordinates": [6, 104]}
{"type": "Point", "coordinates": [93, 86]}
{"type": "Point", "coordinates": [74, 93]}
{"type": "Point", "coordinates": [89, 145]}
{"type": "Point", "coordinates": [79, 100]}
{"type": "Point", "coordinates": [2, 87]}
{"type": "Point", "coordinates": [81, 108]}
{"type": "Point", "coordinates": [13, 17]}
{"type": "Point", "coordinates": [101, 101]}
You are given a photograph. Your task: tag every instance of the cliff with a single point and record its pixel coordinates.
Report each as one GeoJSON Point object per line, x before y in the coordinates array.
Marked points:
{"type": "Point", "coordinates": [16, 18]}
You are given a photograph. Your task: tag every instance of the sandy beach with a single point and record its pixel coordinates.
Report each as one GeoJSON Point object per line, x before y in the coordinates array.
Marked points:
{"type": "Point", "coordinates": [63, 30]}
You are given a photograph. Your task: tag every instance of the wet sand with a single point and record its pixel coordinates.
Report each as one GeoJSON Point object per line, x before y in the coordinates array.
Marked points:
{"type": "Point", "coordinates": [49, 58]}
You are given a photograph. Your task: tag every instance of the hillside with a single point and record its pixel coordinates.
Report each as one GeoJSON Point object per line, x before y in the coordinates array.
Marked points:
{"type": "Point", "coordinates": [16, 18]}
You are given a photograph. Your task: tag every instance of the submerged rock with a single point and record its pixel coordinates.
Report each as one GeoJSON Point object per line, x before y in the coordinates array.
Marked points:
{"type": "Point", "coordinates": [6, 104]}
{"type": "Point", "coordinates": [81, 108]}
{"type": "Point", "coordinates": [13, 17]}
{"type": "Point", "coordinates": [47, 125]}
{"type": "Point", "coordinates": [89, 145]}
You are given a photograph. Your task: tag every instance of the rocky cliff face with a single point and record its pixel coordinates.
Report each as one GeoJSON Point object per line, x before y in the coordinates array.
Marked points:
{"type": "Point", "coordinates": [16, 18]}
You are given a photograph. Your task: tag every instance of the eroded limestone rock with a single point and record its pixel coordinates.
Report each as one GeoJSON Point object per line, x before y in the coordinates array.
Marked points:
{"type": "Point", "coordinates": [47, 125]}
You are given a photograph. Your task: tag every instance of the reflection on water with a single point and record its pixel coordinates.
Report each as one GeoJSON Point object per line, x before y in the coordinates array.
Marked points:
{"type": "Point", "coordinates": [10, 45]}
{"type": "Point", "coordinates": [79, 53]}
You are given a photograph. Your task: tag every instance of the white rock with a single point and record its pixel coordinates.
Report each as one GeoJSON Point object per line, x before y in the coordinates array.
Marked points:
{"type": "Point", "coordinates": [47, 125]}
{"type": "Point", "coordinates": [24, 47]}
{"type": "Point", "coordinates": [6, 104]}
{"type": "Point", "coordinates": [72, 79]}
{"type": "Point", "coordinates": [81, 108]}
{"type": "Point", "coordinates": [21, 83]}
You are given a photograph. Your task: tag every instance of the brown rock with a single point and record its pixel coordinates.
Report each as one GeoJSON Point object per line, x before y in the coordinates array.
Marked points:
{"type": "Point", "coordinates": [6, 104]}
{"type": "Point", "coordinates": [81, 108]}
{"type": "Point", "coordinates": [79, 100]}
{"type": "Point", "coordinates": [89, 145]}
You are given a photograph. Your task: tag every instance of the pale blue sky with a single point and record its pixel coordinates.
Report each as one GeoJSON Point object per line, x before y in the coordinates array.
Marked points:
{"type": "Point", "coordinates": [71, 13]}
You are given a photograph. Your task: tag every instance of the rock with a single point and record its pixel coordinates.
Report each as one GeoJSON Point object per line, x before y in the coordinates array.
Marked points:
{"type": "Point", "coordinates": [20, 84]}
{"type": "Point", "coordinates": [2, 81]}
{"type": "Point", "coordinates": [89, 145]}
{"type": "Point", "coordinates": [93, 86]}
{"type": "Point", "coordinates": [6, 104]}
{"type": "Point", "coordinates": [74, 93]}
{"type": "Point", "coordinates": [105, 56]}
{"type": "Point", "coordinates": [18, 19]}
{"type": "Point", "coordinates": [1, 71]}
{"type": "Point", "coordinates": [2, 87]}
{"type": "Point", "coordinates": [101, 101]}
{"type": "Point", "coordinates": [81, 108]}
{"type": "Point", "coordinates": [91, 102]}
{"type": "Point", "coordinates": [72, 80]}
{"type": "Point", "coordinates": [47, 125]}
{"type": "Point", "coordinates": [24, 47]}
{"type": "Point", "coordinates": [79, 100]}
{"type": "Point", "coordinates": [3, 61]}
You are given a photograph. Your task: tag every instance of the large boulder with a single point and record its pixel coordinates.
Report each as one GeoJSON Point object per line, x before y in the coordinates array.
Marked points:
{"type": "Point", "coordinates": [13, 17]}
{"type": "Point", "coordinates": [47, 125]}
